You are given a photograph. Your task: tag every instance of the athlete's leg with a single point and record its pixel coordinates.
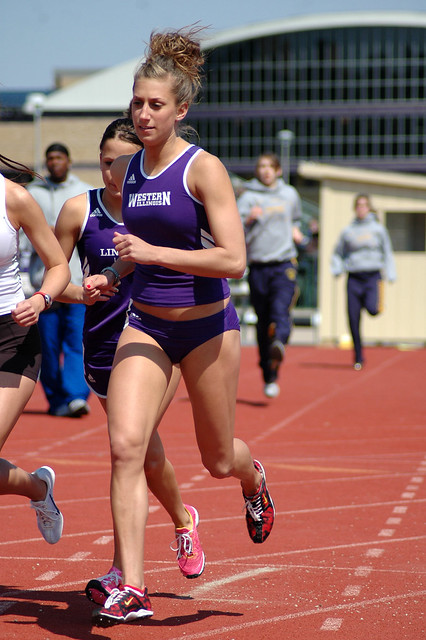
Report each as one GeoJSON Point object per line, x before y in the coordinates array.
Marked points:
{"type": "Point", "coordinates": [162, 482]}
{"type": "Point", "coordinates": [373, 297]}
{"type": "Point", "coordinates": [139, 380]}
{"type": "Point", "coordinates": [354, 292]}
{"type": "Point", "coordinates": [15, 391]}
{"type": "Point", "coordinates": [259, 298]}
{"type": "Point", "coordinates": [211, 375]}
{"type": "Point", "coordinates": [159, 471]}
{"type": "Point", "coordinates": [282, 296]}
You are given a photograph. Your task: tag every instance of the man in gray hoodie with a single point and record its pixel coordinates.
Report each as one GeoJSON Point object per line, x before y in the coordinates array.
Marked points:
{"type": "Point", "coordinates": [364, 251]}
{"type": "Point", "coordinates": [271, 212]}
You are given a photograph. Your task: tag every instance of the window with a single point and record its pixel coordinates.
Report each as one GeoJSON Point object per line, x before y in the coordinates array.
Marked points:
{"type": "Point", "coordinates": [407, 231]}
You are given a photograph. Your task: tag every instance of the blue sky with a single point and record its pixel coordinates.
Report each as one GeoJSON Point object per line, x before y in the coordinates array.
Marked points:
{"type": "Point", "coordinates": [40, 37]}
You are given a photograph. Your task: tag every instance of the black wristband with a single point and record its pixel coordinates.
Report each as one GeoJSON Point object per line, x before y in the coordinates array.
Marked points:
{"type": "Point", "coordinates": [114, 272]}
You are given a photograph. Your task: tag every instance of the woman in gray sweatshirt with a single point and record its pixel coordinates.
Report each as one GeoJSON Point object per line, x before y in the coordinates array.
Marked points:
{"type": "Point", "coordinates": [364, 252]}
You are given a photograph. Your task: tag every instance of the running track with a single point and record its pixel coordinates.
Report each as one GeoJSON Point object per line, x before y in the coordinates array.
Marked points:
{"type": "Point", "coordinates": [345, 456]}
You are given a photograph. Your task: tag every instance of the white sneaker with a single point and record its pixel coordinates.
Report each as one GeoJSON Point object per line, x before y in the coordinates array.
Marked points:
{"type": "Point", "coordinates": [49, 519]}
{"type": "Point", "coordinates": [78, 407]}
{"type": "Point", "coordinates": [271, 390]}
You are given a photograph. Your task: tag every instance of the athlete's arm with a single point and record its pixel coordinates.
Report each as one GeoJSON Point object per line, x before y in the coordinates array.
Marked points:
{"type": "Point", "coordinates": [209, 182]}
{"type": "Point", "coordinates": [24, 212]}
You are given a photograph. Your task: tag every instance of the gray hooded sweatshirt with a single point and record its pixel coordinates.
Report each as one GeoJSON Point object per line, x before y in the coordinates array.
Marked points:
{"type": "Point", "coordinates": [364, 245]}
{"type": "Point", "coordinates": [51, 196]}
{"type": "Point", "coordinates": [270, 237]}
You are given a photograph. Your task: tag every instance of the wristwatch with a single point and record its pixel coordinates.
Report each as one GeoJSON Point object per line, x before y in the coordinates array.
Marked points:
{"type": "Point", "coordinates": [47, 298]}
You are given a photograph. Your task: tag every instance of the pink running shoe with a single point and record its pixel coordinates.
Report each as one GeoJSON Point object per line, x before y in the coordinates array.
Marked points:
{"type": "Point", "coordinates": [99, 589]}
{"type": "Point", "coordinates": [189, 553]}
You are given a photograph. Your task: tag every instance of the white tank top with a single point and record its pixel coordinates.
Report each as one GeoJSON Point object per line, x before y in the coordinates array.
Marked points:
{"type": "Point", "coordinates": [11, 291]}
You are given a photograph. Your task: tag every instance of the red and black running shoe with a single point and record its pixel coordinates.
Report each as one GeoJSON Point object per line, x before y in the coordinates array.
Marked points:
{"type": "Point", "coordinates": [123, 605]}
{"type": "Point", "coordinates": [260, 510]}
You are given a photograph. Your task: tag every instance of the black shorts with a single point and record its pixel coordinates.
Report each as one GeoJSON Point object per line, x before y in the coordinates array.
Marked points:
{"type": "Point", "coordinates": [20, 348]}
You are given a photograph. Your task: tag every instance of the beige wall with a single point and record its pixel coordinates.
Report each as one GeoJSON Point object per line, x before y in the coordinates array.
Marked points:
{"type": "Point", "coordinates": [404, 317]}
{"type": "Point", "coordinates": [80, 134]}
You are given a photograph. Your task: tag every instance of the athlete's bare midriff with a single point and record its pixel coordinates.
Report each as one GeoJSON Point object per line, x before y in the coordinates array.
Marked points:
{"type": "Point", "coordinates": [183, 313]}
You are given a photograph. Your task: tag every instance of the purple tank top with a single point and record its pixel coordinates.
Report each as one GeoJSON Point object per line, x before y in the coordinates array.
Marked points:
{"type": "Point", "coordinates": [161, 210]}
{"type": "Point", "coordinates": [103, 321]}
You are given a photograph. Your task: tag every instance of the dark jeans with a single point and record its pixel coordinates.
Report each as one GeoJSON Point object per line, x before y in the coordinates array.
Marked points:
{"type": "Point", "coordinates": [364, 292]}
{"type": "Point", "coordinates": [272, 294]}
{"type": "Point", "coordinates": [62, 375]}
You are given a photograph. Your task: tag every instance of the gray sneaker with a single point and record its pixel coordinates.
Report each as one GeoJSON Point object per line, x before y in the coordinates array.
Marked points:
{"type": "Point", "coordinates": [77, 408]}
{"type": "Point", "coordinates": [49, 519]}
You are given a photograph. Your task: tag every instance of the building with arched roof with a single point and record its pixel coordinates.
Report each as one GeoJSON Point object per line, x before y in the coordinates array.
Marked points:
{"type": "Point", "coordinates": [349, 86]}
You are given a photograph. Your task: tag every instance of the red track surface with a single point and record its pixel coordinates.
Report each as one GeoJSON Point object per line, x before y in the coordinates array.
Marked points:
{"type": "Point", "coordinates": [345, 458]}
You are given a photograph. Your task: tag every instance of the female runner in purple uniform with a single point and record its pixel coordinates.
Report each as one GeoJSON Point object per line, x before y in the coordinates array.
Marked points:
{"type": "Point", "coordinates": [88, 221]}
{"type": "Point", "coordinates": [185, 238]}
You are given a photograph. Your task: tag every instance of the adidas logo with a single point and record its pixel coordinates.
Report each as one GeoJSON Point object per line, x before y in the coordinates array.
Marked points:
{"type": "Point", "coordinates": [97, 213]}
{"type": "Point", "coordinates": [132, 179]}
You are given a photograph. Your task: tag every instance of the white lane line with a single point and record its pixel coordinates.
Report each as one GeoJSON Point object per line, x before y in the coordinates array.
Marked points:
{"type": "Point", "coordinates": [228, 487]}
{"type": "Point", "coordinates": [153, 508]}
{"type": "Point", "coordinates": [104, 540]}
{"type": "Point", "coordinates": [401, 509]}
{"type": "Point", "coordinates": [267, 557]}
{"type": "Point", "coordinates": [352, 590]}
{"type": "Point", "coordinates": [374, 553]}
{"type": "Point", "coordinates": [244, 575]}
{"type": "Point", "coordinates": [363, 572]}
{"type": "Point", "coordinates": [79, 556]}
{"type": "Point", "coordinates": [166, 566]}
{"type": "Point", "coordinates": [332, 624]}
{"type": "Point", "coordinates": [49, 575]}
{"type": "Point", "coordinates": [161, 567]}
